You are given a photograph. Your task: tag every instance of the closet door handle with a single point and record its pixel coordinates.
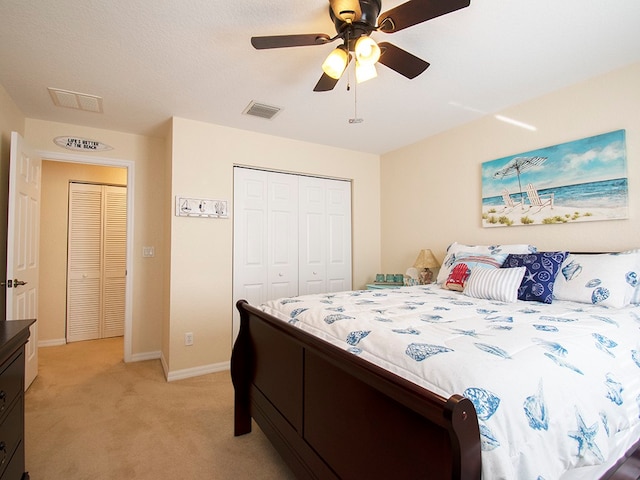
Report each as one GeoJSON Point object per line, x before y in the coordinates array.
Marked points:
{"type": "Point", "coordinates": [17, 283]}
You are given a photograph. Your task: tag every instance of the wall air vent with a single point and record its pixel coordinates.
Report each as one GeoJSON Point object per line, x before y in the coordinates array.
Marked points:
{"type": "Point", "coordinates": [261, 110]}
{"type": "Point", "coordinates": [79, 101]}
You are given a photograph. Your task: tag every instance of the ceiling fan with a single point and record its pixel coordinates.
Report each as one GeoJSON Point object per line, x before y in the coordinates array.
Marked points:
{"type": "Point", "coordinates": [354, 21]}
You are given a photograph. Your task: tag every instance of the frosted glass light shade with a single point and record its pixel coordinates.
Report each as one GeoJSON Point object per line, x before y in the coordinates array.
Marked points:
{"type": "Point", "coordinates": [335, 63]}
{"type": "Point", "coordinates": [367, 51]}
{"type": "Point", "coordinates": [365, 72]}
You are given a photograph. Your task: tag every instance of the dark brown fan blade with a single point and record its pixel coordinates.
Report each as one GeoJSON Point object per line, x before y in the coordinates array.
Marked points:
{"type": "Point", "coordinates": [417, 11]}
{"type": "Point", "coordinates": [401, 61]}
{"type": "Point", "coordinates": [325, 83]}
{"type": "Point", "coordinates": [346, 9]}
{"type": "Point", "coordinates": [280, 41]}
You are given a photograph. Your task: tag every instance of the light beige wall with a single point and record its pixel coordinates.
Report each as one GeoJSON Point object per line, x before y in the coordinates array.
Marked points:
{"type": "Point", "coordinates": [203, 156]}
{"type": "Point", "coordinates": [439, 177]}
{"type": "Point", "coordinates": [148, 155]}
{"type": "Point", "coordinates": [11, 119]}
{"type": "Point", "coordinates": [53, 245]}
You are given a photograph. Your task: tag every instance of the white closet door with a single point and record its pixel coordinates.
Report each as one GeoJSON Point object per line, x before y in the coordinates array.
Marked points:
{"type": "Point", "coordinates": [96, 265]}
{"type": "Point", "coordinates": [250, 255]}
{"type": "Point", "coordinates": [282, 221]}
{"type": "Point", "coordinates": [338, 242]}
{"type": "Point", "coordinates": [115, 260]}
{"type": "Point", "coordinates": [292, 236]}
{"type": "Point", "coordinates": [84, 293]}
{"type": "Point", "coordinates": [312, 236]}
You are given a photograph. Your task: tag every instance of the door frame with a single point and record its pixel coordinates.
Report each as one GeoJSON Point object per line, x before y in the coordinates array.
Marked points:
{"type": "Point", "coordinates": [130, 166]}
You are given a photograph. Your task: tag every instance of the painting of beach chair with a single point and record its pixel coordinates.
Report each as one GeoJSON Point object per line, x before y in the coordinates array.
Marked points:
{"type": "Point", "coordinates": [536, 200]}
{"type": "Point", "coordinates": [509, 203]}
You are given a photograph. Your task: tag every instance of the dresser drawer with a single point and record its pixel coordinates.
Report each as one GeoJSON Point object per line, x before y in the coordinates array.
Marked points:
{"type": "Point", "coordinates": [11, 381]}
{"type": "Point", "coordinates": [11, 431]}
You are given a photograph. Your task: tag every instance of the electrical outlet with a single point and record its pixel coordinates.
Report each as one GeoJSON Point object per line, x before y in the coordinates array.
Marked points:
{"type": "Point", "coordinates": [188, 338]}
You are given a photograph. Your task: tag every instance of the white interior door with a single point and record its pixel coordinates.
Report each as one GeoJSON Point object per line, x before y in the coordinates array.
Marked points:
{"type": "Point", "coordinates": [313, 236]}
{"type": "Point", "coordinates": [96, 265]}
{"type": "Point", "coordinates": [282, 224]}
{"type": "Point", "coordinates": [115, 260]}
{"type": "Point", "coordinates": [23, 230]}
{"type": "Point", "coordinates": [292, 236]}
{"type": "Point", "coordinates": [250, 234]}
{"type": "Point", "coordinates": [338, 236]}
{"type": "Point", "coordinates": [84, 271]}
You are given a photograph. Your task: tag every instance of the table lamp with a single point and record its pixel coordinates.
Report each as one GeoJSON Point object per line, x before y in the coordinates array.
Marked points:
{"type": "Point", "coordinates": [425, 261]}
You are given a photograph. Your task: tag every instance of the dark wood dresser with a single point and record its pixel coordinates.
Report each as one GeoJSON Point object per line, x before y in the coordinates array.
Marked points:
{"type": "Point", "coordinates": [13, 336]}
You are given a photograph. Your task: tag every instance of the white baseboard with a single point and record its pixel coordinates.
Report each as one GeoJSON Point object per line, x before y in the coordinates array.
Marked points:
{"type": "Point", "coordinates": [195, 371]}
{"type": "Point", "coordinates": [52, 343]}
{"type": "Point", "coordinates": [141, 357]}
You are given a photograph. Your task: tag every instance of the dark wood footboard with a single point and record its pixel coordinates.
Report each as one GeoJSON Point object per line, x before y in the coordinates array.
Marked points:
{"type": "Point", "coordinates": [331, 414]}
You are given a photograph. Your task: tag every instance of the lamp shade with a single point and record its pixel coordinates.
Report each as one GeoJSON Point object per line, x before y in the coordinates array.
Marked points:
{"type": "Point", "coordinates": [365, 72]}
{"type": "Point", "coordinates": [426, 259]}
{"type": "Point", "coordinates": [367, 50]}
{"type": "Point", "coordinates": [336, 62]}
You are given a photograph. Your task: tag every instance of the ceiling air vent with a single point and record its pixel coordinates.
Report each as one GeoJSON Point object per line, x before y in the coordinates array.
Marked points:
{"type": "Point", "coordinates": [79, 101]}
{"type": "Point", "coordinates": [261, 110]}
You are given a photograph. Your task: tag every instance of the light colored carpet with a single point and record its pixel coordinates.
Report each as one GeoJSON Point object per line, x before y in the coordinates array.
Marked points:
{"type": "Point", "coordinates": [88, 415]}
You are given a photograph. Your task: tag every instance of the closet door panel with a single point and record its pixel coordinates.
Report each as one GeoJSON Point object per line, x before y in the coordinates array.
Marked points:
{"type": "Point", "coordinates": [283, 235]}
{"type": "Point", "coordinates": [312, 236]}
{"type": "Point", "coordinates": [338, 236]}
{"type": "Point", "coordinates": [250, 234]}
{"type": "Point", "coordinates": [84, 263]}
{"type": "Point", "coordinates": [115, 260]}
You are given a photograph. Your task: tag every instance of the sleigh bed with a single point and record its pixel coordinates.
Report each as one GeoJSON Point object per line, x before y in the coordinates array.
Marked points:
{"type": "Point", "coordinates": [425, 382]}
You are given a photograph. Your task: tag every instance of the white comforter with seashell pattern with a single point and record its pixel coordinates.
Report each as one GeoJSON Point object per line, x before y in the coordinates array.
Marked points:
{"type": "Point", "coordinates": [556, 386]}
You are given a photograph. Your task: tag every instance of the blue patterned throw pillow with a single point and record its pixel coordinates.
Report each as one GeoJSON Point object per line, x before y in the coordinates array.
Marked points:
{"type": "Point", "coordinates": [542, 270]}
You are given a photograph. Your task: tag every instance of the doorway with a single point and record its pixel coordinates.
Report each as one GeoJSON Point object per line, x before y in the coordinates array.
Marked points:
{"type": "Point", "coordinates": [53, 244]}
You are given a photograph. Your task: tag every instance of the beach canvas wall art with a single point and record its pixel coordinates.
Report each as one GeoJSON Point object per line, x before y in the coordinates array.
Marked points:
{"type": "Point", "coordinates": [580, 181]}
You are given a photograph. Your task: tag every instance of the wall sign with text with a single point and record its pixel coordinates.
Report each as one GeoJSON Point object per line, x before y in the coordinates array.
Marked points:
{"type": "Point", "coordinates": [81, 144]}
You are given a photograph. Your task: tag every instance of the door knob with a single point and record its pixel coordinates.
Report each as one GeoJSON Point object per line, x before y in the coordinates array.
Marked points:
{"type": "Point", "coordinates": [17, 283]}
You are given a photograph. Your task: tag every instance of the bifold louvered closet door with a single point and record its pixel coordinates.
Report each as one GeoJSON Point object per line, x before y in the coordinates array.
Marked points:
{"type": "Point", "coordinates": [96, 264]}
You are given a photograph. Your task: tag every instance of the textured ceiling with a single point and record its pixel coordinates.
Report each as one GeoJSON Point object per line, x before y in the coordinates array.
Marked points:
{"type": "Point", "coordinates": [151, 60]}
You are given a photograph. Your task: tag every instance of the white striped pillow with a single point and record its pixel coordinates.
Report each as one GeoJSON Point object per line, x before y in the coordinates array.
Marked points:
{"type": "Point", "coordinates": [495, 284]}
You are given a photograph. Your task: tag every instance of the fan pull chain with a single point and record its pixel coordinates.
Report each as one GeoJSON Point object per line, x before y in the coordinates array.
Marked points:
{"type": "Point", "coordinates": [355, 118]}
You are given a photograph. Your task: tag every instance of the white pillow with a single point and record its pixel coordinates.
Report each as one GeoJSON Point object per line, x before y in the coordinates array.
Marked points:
{"type": "Point", "coordinates": [500, 284]}
{"type": "Point", "coordinates": [604, 279]}
{"type": "Point", "coordinates": [455, 248]}
{"type": "Point", "coordinates": [634, 278]}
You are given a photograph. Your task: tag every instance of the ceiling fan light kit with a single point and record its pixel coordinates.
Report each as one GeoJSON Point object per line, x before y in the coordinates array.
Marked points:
{"type": "Point", "coordinates": [365, 71]}
{"type": "Point", "coordinates": [354, 21]}
{"type": "Point", "coordinates": [336, 62]}
{"type": "Point", "coordinates": [367, 51]}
